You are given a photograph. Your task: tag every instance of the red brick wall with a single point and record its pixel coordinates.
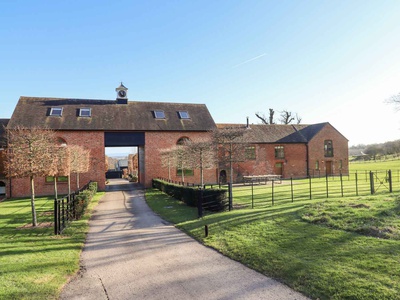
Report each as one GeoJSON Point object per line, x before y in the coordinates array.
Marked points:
{"type": "Point", "coordinates": [156, 141]}
{"type": "Point", "coordinates": [340, 152]}
{"type": "Point", "coordinates": [92, 140]}
{"type": "Point", "coordinates": [294, 162]}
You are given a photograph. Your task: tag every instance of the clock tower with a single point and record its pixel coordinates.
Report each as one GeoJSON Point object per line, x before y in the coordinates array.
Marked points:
{"type": "Point", "coordinates": [122, 94]}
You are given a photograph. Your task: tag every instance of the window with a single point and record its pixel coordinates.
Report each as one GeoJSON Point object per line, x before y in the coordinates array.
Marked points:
{"type": "Point", "coordinates": [159, 114]}
{"type": "Point", "coordinates": [186, 172]}
{"type": "Point", "coordinates": [50, 179]}
{"type": "Point", "coordinates": [85, 112]}
{"type": "Point", "coordinates": [183, 115]}
{"type": "Point", "coordinates": [328, 147]}
{"type": "Point", "coordinates": [56, 111]}
{"type": "Point", "coordinates": [317, 165]}
{"type": "Point", "coordinates": [279, 152]}
{"type": "Point", "coordinates": [250, 152]}
{"type": "Point", "coordinates": [183, 141]}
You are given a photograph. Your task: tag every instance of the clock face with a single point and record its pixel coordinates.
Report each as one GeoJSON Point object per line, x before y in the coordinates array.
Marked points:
{"type": "Point", "coordinates": [122, 94]}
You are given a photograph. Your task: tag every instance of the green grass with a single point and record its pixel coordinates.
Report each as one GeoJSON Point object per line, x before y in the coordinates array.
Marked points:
{"type": "Point", "coordinates": [35, 263]}
{"type": "Point", "coordinates": [390, 164]}
{"type": "Point", "coordinates": [338, 260]}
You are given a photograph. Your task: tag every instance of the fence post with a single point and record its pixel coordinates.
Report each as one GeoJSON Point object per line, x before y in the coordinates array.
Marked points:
{"type": "Point", "coordinates": [291, 187]}
{"type": "Point", "coordinates": [341, 183]}
{"type": "Point", "coordinates": [252, 194]}
{"type": "Point", "coordinates": [390, 181]}
{"type": "Point", "coordinates": [63, 213]}
{"type": "Point", "coordinates": [371, 182]}
{"type": "Point", "coordinates": [230, 196]}
{"type": "Point", "coordinates": [356, 183]}
{"type": "Point", "coordinates": [272, 185]}
{"type": "Point", "coordinates": [200, 203]}
{"type": "Point", "coordinates": [55, 217]}
{"type": "Point", "coordinates": [327, 184]}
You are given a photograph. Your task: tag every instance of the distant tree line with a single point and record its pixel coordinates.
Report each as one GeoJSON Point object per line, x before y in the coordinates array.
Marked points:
{"type": "Point", "coordinates": [374, 151]}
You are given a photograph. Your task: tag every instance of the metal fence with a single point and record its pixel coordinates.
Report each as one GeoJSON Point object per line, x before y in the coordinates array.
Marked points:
{"type": "Point", "coordinates": [65, 210]}
{"type": "Point", "coordinates": [261, 194]}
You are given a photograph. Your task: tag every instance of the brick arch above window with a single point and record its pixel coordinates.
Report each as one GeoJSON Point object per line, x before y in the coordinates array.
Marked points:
{"type": "Point", "coordinates": [183, 140]}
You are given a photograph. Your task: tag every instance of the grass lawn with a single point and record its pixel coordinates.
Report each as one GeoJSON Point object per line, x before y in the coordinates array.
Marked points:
{"type": "Point", "coordinates": [339, 248]}
{"type": "Point", "coordinates": [35, 264]}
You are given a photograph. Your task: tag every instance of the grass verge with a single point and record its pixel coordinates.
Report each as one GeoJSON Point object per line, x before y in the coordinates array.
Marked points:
{"type": "Point", "coordinates": [35, 264]}
{"type": "Point", "coordinates": [316, 258]}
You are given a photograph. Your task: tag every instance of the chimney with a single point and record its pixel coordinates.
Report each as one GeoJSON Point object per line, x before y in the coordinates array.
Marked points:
{"type": "Point", "coordinates": [247, 125]}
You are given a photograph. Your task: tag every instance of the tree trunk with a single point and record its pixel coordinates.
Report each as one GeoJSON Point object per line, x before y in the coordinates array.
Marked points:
{"type": "Point", "coordinates": [34, 219]}
{"type": "Point", "coordinates": [77, 180]}
{"type": "Point", "coordinates": [55, 188]}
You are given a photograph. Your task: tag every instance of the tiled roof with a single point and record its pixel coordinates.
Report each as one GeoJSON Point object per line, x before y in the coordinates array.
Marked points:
{"type": "Point", "coordinates": [108, 115]}
{"type": "Point", "coordinates": [3, 124]}
{"type": "Point", "coordinates": [278, 133]}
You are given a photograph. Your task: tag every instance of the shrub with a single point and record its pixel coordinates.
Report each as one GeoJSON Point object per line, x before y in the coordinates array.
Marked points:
{"type": "Point", "coordinates": [82, 200]}
{"type": "Point", "coordinates": [213, 199]}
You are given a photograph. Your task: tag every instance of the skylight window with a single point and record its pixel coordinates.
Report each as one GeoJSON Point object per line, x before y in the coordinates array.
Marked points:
{"type": "Point", "coordinates": [183, 115]}
{"type": "Point", "coordinates": [85, 112]}
{"type": "Point", "coordinates": [159, 114]}
{"type": "Point", "coordinates": [56, 111]}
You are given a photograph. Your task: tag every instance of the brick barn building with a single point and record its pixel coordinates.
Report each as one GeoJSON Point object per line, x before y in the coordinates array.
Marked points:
{"type": "Point", "coordinates": [296, 151]}
{"type": "Point", "coordinates": [288, 150]}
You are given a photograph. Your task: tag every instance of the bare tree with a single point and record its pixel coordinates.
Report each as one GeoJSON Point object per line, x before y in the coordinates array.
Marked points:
{"type": "Point", "coordinates": [201, 155]}
{"type": "Point", "coordinates": [395, 99]}
{"type": "Point", "coordinates": [168, 160]}
{"type": "Point", "coordinates": [286, 117]}
{"type": "Point", "coordinates": [61, 166]}
{"type": "Point", "coordinates": [79, 160]}
{"type": "Point", "coordinates": [231, 144]}
{"type": "Point", "coordinates": [264, 119]}
{"type": "Point", "coordinates": [30, 154]}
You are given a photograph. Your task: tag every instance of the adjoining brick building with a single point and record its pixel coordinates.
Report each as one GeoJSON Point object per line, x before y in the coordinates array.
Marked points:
{"type": "Point", "coordinates": [3, 145]}
{"type": "Point", "coordinates": [288, 150]}
{"type": "Point", "coordinates": [296, 151]}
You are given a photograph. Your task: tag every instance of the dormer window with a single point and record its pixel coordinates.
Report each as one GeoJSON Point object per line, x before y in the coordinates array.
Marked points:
{"type": "Point", "coordinates": [56, 111]}
{"type": "Point", "coordinates": [159, 114]}
{"type": "Point", "coordinates": [183, 115]}
{"type": "Point", "coordinates": [85, 112]}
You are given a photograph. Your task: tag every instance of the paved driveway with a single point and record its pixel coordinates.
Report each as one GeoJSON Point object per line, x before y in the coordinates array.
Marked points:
{"type": "Point", "coordinates": [131, 253]}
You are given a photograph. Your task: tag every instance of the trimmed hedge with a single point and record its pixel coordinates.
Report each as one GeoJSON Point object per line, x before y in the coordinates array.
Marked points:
{"type": "Point", "coordinates": [212, 199]}
{"type": "Point", "coordinates": [83, 198]}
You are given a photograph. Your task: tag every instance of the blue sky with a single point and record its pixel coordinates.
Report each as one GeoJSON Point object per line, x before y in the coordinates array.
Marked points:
{"type": "Point", "coordinates": [329, 61]}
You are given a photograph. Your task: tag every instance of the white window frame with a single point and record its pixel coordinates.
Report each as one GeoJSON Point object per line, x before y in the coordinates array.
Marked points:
{"type": "Point", "coordinates": [183, 114]}
{"type": "Point", "coordinates": [159, 114]}
{"type": "Point", "coordinates": [85, 109]}
{"type": "Point", "coordinates": [54, 110]}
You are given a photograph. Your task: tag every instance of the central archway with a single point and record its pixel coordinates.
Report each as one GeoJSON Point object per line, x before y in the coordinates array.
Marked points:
{"type": "Point", "coordinates": [127, 139]}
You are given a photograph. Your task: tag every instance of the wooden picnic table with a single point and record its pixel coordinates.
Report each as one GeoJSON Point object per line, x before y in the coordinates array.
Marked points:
{"type": "Point", "coordinates": [262, 178]}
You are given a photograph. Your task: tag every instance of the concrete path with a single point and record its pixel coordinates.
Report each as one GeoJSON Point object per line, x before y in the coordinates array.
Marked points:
{"type": "Point", "coordinates": [131, 253]}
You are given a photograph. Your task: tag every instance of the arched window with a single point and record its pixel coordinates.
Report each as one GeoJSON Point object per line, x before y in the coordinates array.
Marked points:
{"type": "Point", "coordinates": [182, 163]}
{"type": "Point", "coordinates": [183, 141]}
{"type": "Point", "coordinates": [61, 142]}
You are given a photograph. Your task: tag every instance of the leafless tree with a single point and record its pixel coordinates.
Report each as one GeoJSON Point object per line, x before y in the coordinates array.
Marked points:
{"type": "Point", "coordinates": [30, 153]}
{"type": "Point", "coordinates": [286, 117]}
{"type": "Point", "coordinates": [231, 144]}
{"type": "Point", "coordinates": [201, 155]}
{"type": "Point", "coordinates": [79, 161]}
{"type": "Point", "coordinates": [264, 119]}
{"type": "Point", "coordinates": [395, 99]}
{"type": "Point", "coordinates": [61, 166]}
{"type": "Point", "coordinates": [168, 160]}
